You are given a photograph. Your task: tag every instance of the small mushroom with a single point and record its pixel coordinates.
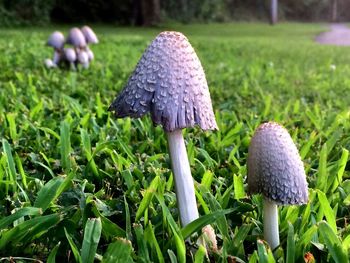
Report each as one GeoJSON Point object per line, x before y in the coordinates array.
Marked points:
{"type": "Point", "coordinates": [276, 171]}
{"type": "Point", "coordinates": [169, 82]}
{"type": "Point", "coordinates": [76, 38]}
{"type": "Point", "coordinates": [83, 58]}
{"type": "Point", "coordinates": [90, 54]}
{"type": "Point", "coordinates": [56, 40]}
{"type": "Point", "coordinates": [70, 56]}
{"type": "Point", "coordinates": [89, 34]}
{"type": "Point", "coordinates": [49, 63]}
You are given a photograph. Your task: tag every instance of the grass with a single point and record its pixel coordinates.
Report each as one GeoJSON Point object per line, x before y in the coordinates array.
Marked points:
{"type": "Point", "coordinates": [78, 185]}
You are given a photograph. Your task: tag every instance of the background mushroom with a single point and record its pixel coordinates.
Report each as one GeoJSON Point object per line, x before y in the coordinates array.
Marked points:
{"type": "Point", "coordinates": [56, 40]}
{"type": "Point", "coordinates": [70, 56]}
{"type": "Point", "coordinates": [83, 58]}
{"type": "Point", "coordinates": [169, 82]}
{"type": "Point", "coordinates": [275, 169]}
{"type": "Point", "coordinates": [89, 34]}
{"type": "Point", "coordinates": [76, 39]}
{"type": "Point", "coordinates": [90, 38]}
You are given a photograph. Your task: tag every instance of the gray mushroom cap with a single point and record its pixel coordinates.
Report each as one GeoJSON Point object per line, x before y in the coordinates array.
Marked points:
{"type": "Point", "coordinates": [70, 55]}
{"type": "Point", "coordinates": [56, 40]}
{"type": "Point", "coordinates": [76, 38]}
{"type": "Point", "coordinates": [275, 168]}
{"type": "Point", "coordinates": [169, 82]}
{"type": "Point", "coordinates": [89, 35]}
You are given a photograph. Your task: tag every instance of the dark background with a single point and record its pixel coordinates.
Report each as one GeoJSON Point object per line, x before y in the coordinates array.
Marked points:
{"type": "Point", "coordinates": [153, 12]}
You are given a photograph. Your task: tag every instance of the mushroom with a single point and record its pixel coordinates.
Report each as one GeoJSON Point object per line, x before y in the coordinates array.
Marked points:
{"type": "Point", "coordinates": [89, 53]}
{"type": "Point", "coordinates": [76, 38]}
{"type": "Point", "coordinates": [276, 171]}
{"type": "Point", "coordinates": [169, 82]}
{"type": "Point", "coordinates": [70, 56]}
{"type": "Point", "coordinates": [56, 40]}
{"type": "Point", "coordinates": [83, 58]}
{"type": "Point", "coordinates": [49, 63]}
{"type": "Point", "coordinates": [89, 35]}
{"type": "Point", "coordinates": [90, 38]}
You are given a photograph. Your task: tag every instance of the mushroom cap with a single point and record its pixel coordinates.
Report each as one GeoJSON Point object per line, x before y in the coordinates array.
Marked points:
{"type": "Point", "coordinates": [90, 54]}
{"type": "Point", "coordinates": [89, 35]}
{"type": "Point", "coordinates": [274, 167]}
{"type": "Point", "coordinates": [169, 82]}
{"type": "Point", "coordinates": [83, 57]}
{"type": "Point", "coordinates": [49, 63]}
{"type": "Point", "coordinates": [56, 40]}
{"type": "Point", "coordinates": [76, 38]}
{"type": "Point", "coordinates": [70, 55]}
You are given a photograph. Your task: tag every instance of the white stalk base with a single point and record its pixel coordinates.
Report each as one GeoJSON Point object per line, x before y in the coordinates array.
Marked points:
{"type": "Point", "coordinates": [271, 234]}
{"type": "Point", "coordinates": [184, 187]}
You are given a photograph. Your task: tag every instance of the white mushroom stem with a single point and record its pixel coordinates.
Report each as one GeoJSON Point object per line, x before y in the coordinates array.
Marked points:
{"type": "Point", "coordinates": [184, 187]}
{"type": "Point", "coordinates": [271, 234]}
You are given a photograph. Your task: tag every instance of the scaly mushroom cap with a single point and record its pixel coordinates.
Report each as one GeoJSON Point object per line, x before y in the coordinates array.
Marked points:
{"type": "Point", "coordinates": [275, 168]}
{"type": "Point", "coordinates": [70, 55]}
{"type": "Point", "coordinates": [89, 35]}
{"type": "Point", "coordinates": [76, 38]}
{"type": "Point", "coordinates": [56, 40]}
{"type": "Point", "coordinates": [169, 82]}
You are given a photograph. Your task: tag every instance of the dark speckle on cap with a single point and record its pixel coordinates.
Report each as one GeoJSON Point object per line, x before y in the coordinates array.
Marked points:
{"type": "Point", "coordinates": [169, 82]}
{"type": "Point", "coordinates": [274, 165]}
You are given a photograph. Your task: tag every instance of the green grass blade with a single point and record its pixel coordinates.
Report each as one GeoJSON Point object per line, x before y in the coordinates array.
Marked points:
{"type": "Point", "coordinates": [47, 194]}
{"type": "Point", "coordinates": [92, 234]}
{"type": "Point", "coordinates": [21, 171]}
{"type": "Point", "coordinates": [141, 243]}
{"type": "Point", "coordinates": [127, 220]}
{"type": "Point", "coordinates": [11, 119]}
{"type": "Point", "coordinates": [238, 186]}
{"type": "Point", "coordinates": [28, 230]}
{"type": "Point", "coordinates": [119, 251]}
{"type": "Point", "coordinates": [290, 244]}
{"type": "Point", "coordinates": [327, 210]}
{"type": "Point", "coordinates": [25, 211]}
{"type": "Point", "coordinates": [172, 256]}
{"type": "Point", "coordinates": [152, 241]}
{"type": "Point", "coordinates": [11, 164]}
{"type": "Point", "coordinates": [322, 170]}
{"type": "Point", "coordinates": [333, 243]}
{"type": "Point", "coordinates": [265, 255]}
{"type": "Point", "coordinates": [200, 254]}
{"type": "Point", "coordinates": [178, 239]}
{"type": "Point", "coordinates": [52, 255]}
{"type": "Point", "coordinates": [73, 247]}
{"type": "Point", "coordinates": [202, 221]}
{"type": "Point", "coordinates": [147, 198]}
{"type": "Point", "coordinates": [65, 146]}
{"type": "Point", "coordinates": [86, 143]}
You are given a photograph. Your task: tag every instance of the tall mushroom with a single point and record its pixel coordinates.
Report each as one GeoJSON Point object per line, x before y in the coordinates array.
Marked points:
{"type": "Point", "coordinates": [275, 169]}
{"type": "Point", "coordinates": [89, 35]}
{"type": "Point", "coordinates": [56, 40]}
{"type": "Point", "coordinates": [76, 39]}
{"type": "Point", "coordinates": [169, 82]}
{"type": "Point", "coordinates": [90, 38]}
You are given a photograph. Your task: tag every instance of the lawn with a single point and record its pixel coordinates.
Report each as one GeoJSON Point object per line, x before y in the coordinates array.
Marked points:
{"type": "Point", "coordinates": [73, 178]}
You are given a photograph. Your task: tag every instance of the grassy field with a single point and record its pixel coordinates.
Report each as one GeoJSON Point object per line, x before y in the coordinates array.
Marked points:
{"type": "Point", "coordinates": [76, 184]}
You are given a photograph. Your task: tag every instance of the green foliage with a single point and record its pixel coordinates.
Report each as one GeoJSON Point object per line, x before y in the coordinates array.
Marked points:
{"type": "Point", "coordinates": [78, 185]}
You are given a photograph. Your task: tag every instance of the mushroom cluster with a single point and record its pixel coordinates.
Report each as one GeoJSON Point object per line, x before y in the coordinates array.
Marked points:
{"type": "Point", "coordinates": [79, 53]}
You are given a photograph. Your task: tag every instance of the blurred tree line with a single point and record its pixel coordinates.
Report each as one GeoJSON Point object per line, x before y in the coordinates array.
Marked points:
{"type": "Point", "coordinates": [152, 12]}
